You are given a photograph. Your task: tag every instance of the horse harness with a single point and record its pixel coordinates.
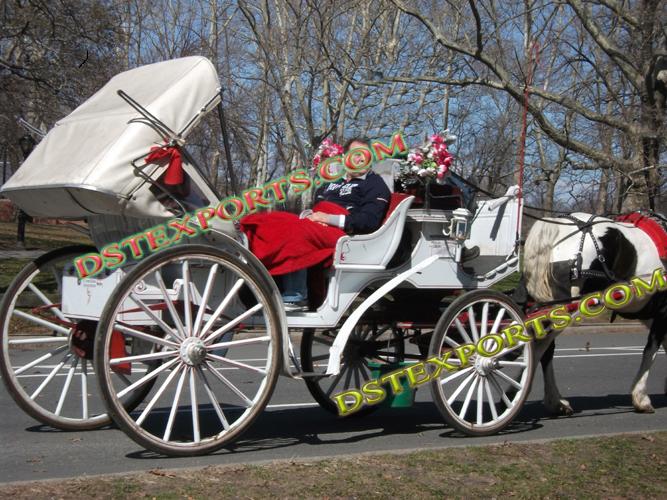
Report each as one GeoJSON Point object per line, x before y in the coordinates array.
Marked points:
{"type": "Point", "coordinates": [576, 270]}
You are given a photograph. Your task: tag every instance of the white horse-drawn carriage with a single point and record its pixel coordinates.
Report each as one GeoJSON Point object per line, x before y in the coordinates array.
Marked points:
{"type": "Point", "coordinates": [187, 343]}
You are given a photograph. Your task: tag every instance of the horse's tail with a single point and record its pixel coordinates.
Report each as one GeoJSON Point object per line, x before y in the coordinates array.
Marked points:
{"type": "Point", "coordinates": [537, 258]}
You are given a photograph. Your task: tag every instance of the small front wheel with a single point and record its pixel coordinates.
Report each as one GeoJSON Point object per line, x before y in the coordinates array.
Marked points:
{"type": "Point", "coordinates": [197, 322]}
{"type": "Point", "coordinates": [368, 343]}
{"type": "Point", "coordinates": [485, 395]}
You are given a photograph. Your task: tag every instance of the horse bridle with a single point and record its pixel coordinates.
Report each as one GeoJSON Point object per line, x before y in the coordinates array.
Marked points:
{"type": "Point", "coordinates": [575, 268]}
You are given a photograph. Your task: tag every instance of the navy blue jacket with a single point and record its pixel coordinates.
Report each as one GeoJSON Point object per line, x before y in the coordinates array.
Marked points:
{"type": "Point", "coordinates": [366, 198]}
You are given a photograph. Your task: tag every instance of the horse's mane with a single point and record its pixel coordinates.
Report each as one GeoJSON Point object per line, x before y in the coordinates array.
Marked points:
{"type": "Point", "coordinates": [536, 259]}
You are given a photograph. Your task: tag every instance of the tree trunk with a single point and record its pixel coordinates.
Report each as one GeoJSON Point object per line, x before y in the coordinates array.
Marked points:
{"type": "Point", "coordinates": [638, 193]}
{"type": "Point", "coordinates": [549, 195]}
{"type": "Point", "coordinates": [603, 192]}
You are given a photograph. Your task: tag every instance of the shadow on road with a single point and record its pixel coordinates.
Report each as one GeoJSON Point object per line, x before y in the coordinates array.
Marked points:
{"type": "Point", "coordinates": [606, 405]}
{"type": "Point", "coordinates": [314, 426]}
{"type": "Point", "coordinates": [290, 427]}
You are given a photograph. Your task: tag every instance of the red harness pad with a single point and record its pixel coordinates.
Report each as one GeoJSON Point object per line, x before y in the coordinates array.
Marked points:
{"type": "Point", "coordinates": [652, 228]}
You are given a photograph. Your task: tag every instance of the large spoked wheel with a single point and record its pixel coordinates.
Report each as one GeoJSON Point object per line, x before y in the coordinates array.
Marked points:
{"type": "Point", "coordinates": [46, 357]}
{"type": "Point", "coordinates": [201, 319]}
{"type": "Point", "coordinates": [380, 344]}
{"type": "Point", "coordinates": [483, 397]}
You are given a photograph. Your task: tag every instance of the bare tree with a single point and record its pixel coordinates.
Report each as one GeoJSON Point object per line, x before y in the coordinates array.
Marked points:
{"type": "Point", "coordinates": [52, 56]}
{"type": "Point", "coordinates": [625, 37]}
{"type": "Point", "coordinates": [296, 71]}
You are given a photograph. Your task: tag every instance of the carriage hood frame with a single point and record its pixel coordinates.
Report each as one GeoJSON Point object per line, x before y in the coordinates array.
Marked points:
{"type": "Point", "coordinates": [84, 165]}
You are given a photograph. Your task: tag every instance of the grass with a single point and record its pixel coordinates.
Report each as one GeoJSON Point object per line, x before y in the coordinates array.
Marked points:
{"type": "Point", "coordinates": [40, 236]}
{"type": "Point", "coordinates": [9, 268]}
{"type": "Point", "coordinates": [630, 466]}
{"type": "Point", "coordinates": [508, 283]}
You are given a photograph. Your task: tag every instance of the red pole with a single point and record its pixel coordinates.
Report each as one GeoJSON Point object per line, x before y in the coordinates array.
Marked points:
{"type": "Point", "coordinates": [534, 58]}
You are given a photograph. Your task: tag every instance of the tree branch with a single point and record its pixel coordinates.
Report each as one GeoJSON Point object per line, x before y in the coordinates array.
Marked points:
{"type": "Point", "coordinates": [618, 56]}
{"type": "Point", "coordinates": [618, 9]}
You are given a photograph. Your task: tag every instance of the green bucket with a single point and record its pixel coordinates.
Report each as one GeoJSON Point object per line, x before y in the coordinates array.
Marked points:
{"type": "Point", "coordinates": [406, 397]}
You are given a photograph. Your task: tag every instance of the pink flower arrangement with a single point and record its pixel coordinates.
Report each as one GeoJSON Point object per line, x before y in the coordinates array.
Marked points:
{"type": "Point", "coordinates": [328, 149]}
{"type": "Point", "coordinates": [431, 160]}
{"type": "Point", "coordinates": [416, 158]}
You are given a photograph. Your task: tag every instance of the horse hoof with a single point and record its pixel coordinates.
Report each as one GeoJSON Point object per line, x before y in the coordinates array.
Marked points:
{"type": "Point", "coordinates": [642, 403]}
{"type": "Point", "coordinates": [645, 409]}
{"type": "Point", "coordinates": [565, 409]}
{"type": "Point", "coordinates": [561, 408]}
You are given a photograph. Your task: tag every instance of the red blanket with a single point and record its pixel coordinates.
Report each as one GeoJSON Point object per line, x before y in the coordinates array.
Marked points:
{"type": "Point", "coordinates": [284, 243]}
{"type": "Point", "coordinates": [651, 227]}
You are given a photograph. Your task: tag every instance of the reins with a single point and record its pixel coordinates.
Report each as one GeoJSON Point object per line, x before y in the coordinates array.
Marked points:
{"type": "Point", "coordinates": [583, 227]}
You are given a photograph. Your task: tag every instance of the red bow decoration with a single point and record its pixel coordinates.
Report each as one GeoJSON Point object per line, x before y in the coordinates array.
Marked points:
{"type": "Point", "coordinates": [174, 174]}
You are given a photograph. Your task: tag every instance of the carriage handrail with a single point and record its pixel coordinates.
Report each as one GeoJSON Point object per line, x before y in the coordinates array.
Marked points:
{"type": "Point", "coordinates": [31, 128]}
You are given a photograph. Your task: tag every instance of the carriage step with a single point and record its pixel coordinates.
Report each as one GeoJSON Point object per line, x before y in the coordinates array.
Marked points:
{"type": "Point", "coordinates": [312, 375]}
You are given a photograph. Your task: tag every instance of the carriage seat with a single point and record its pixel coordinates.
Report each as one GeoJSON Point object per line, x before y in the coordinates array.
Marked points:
{"type": "Point", "coordinates": [375, 250]}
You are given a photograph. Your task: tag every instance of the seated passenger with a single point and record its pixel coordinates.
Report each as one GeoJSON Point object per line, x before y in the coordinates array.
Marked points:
{"type": "Point", "coordinates": [288, 244]}
{"type": "Point", "coordinates": [362, 193]}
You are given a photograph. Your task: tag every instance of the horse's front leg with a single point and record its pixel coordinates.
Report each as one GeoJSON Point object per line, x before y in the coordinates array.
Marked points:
{"type": "Point", "coordinates": [656, 336]}
{"type": "Point", "coordinates": [553, 401]}
{"type": "Point", "coordinates": [664, 346]}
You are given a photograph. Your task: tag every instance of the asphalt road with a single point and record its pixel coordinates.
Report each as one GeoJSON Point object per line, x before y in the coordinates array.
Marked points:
{"type": "Point", "coordinates": [596, 381]}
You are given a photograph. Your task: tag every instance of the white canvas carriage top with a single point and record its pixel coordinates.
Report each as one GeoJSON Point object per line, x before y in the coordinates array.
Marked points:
{"type": "Point", "coordinates": [83, 165]}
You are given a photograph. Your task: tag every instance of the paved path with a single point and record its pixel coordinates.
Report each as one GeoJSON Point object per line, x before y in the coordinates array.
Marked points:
{"type": "Point", "coordinates": [594, 370]}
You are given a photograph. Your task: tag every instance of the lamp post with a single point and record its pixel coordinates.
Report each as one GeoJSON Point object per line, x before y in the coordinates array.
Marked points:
{"type": "Point", "coordinates": [4, 164]}
{"type": "Point", "coordinates": [27, 144]}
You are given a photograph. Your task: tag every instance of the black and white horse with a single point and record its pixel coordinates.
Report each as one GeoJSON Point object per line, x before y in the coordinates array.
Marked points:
{"type": "Point", "coordinates": [610, 252]}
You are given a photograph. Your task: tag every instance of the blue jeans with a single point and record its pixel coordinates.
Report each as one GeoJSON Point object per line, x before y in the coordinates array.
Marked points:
{"type": "Point", "coordinates": [295, 286]}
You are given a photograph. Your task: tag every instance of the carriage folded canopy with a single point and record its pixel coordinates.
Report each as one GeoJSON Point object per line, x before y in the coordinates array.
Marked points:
{"type": "Point", "coordinates": [83, 165]}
